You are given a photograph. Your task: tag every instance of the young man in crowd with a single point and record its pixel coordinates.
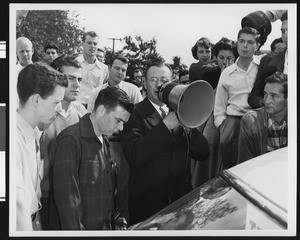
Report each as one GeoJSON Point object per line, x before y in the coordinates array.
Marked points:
{"type": "Point", "coordinates": [231, 100]}
{"type": "Point", "coordinates": [95, 73]}
{"type": "Point", "coordinates": [270, 64]}
{"type": "Point", "coordinates": [51, 52]}
{"type": "Point", "coordinates": [68, 113]}
{"type": "Point", "coordinates": [265, 129]}
{"type": "Point", "coordinates": [40, 90]}
{"type": "Point", "coordinates": [84, 178]}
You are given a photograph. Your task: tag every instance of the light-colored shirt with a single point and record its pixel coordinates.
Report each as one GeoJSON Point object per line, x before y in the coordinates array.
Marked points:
{"type": "Point", "coordinates": [64, 119]}
{"type": "Point", "coordinates": [285, 69]}
{"type": "Point", "coordinates": [29, 173]}
{"type": "Point", "coordinates": [93, 76]}
{"type": "Point", "coordinates": [233, 89]}
{"type": "Point", "coordinates": [19, 67]}
{"type": "Point", "coordinates": [132, 91]}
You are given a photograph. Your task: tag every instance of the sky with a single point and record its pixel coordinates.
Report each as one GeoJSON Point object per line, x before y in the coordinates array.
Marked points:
{"type": "Point", "coordinates": [175, 26]}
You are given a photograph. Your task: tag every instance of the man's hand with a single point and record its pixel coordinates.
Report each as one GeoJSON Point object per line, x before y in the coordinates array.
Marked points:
{"type": "Point", "coordinates": [171, 121]}
{"type": "Point", "coordinates": [121, 223]}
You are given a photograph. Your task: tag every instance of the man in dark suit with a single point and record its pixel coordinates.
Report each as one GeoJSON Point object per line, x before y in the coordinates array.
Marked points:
{"type": "Point", "coordinates": [158, 150]}
{"type": "Point", "coordinates": [271, 63]}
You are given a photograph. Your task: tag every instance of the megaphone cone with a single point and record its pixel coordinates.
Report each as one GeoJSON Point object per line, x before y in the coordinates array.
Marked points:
{"type": "Point", "coordinates": [193, 103]}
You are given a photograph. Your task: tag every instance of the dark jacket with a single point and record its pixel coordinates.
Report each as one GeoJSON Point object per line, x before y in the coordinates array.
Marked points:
{"type": "Point", "coordinates": [159, 161]}
{"type": "Point", "coordinates": [269, 64]}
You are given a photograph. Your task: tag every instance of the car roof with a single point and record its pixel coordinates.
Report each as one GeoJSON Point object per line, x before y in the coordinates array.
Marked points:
{"type": "Point", "coordinates": [267, 174]}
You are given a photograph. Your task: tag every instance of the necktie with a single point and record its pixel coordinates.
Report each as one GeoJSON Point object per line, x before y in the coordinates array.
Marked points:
{"type": "Point", "coordinates": [163, 112]}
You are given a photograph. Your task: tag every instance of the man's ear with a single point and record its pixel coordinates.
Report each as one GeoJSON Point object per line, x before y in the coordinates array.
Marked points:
{"type": "Point", "coordinates": [35, 98]}
{"type": "Point", "coordinates": [101, 110]}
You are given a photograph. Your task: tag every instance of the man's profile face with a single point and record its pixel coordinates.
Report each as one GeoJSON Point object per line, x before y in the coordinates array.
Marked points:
{"type": "Point", "coordinates": [24, 53]}
{"type": "Point", "coordinates": [157, 76]}
{"type": "Point", "coordinates": [246, 45]}
{"type": "Point", "coordinates": [74, 76]}
{"type": "Point", "coordinates": [90, 45]}
{"type": "Point", "coordinates": [284, 32]}
{"type": "Point", "coordinates": [46, 108]}
{"type": "Point", "coordinates": [112, 122]}
{"type": "Point", "coordinates": [50, 55]}
{"type": "Point", "coordinates": [274, 100]}
{"type": "Point", "coordinates": [117, 72]}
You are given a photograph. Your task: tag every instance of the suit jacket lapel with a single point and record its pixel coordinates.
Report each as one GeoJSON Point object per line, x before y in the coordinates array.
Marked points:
{"type": "Point", "coordinates": [152, 116]}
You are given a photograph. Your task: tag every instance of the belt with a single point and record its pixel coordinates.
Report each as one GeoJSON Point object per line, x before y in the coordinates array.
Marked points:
{"type": "Point", "coordinates": [33, 216]}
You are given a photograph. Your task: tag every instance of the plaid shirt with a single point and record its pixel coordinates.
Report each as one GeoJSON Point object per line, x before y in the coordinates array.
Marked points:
{"type": "Point", "coordinates": [277, 134]}
{"type": "Point", "coordinates": [83, 178]}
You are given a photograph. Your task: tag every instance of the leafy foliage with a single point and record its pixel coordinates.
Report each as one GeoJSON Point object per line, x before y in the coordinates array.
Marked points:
{"type": "Point", "coordinates": [52, 26]}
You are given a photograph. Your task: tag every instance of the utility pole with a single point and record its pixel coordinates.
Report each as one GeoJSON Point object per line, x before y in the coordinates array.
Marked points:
{"type": "Point", "coordinates": [114, 43]}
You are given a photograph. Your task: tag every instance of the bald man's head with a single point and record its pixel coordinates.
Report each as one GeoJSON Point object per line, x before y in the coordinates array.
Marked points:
{"type": "Point", "coordinates": [24, 49]}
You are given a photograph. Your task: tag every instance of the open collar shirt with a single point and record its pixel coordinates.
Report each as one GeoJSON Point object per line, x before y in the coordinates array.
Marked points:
{"type": "Point", "coordinates": [132, 91]}
{"type": "Point", "coordinates": [93, 76]}
{"type": "Point", "coordinates": [233, 90]}
{"type": "Point", "coordinates": [83, 178]}
{"type": "Point", "coordinates": [29, 173]}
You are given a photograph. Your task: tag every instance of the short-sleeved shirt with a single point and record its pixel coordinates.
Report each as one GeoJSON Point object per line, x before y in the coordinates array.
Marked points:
{"type": "Point", "coordinates": [93, 76]}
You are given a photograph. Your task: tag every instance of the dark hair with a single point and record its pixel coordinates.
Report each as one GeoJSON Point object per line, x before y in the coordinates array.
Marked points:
{"type": "Point", "coordinates": [158, 63]}
{"type": "Point", "coordinates": [38, 78]}
{"type": "Point", "coordinates": [279, 78]}
{"type": "Point", "coordinates": [284, 16]}
{"type": "Point", "coordinates": [90, 33]}
{"type": "Point", "coordinates": [111, 97]}
{"type": "Point", "coordinates": [51, 46]}
{"type": "Point", "coordinates": [65, 60]}
{"type": "Point", "coordinates": [252, 31]}
{"type": "Point", "coordinates": [183, 73]}
{"type": "Point", "coordinates": [100, 50]}
{"type": "Point", "coordinates": [118, 57]}
{"type": "Point", "coordinates": [225, 44]}
{"type": "Point", "coordinates": [204, 42]}
{"type": "Point", "coordinates": [138, 70]}
{"type": "Point", "coordinates": [275, 41]}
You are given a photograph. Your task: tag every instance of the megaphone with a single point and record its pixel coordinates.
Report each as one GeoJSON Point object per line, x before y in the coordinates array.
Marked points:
{"type": "Point", "coordinates": [193, 103]}
{"type": "Point", "coordinates": [261, 21]}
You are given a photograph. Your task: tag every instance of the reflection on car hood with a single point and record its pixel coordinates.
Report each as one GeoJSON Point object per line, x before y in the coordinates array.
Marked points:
{"type": "Point", "coordinates": [268, 172]}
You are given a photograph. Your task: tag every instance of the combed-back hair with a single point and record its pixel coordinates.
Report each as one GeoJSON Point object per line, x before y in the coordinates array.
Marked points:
{"type": "Point", "coordinates": [38, 78]}
{"type": "Point", "coordinates": [65, 60]}
{"type": "Point", "coordinates": [275, 41]}
{"type": "Point", "coordinates": [284, 16]}
{"type": "Point", "coordinates": [111, 97]}
{"type": "Point", "coordinates": [252, 31]}
{"type": "Point", "coordinates": [118, 57]}
{"type": "Point", "coordinates": [280, 78]}
{"type": "Point", "coordinates": [51, 46]}
{"type": "Point", "coordinates": [90, 33]}
{"type": "Point", "coordinates": [204, 42]}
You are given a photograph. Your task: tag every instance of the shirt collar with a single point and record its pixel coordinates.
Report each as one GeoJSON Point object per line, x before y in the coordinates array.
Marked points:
{"type": "Point", "coordinates": [28, 132]}
{"type": "Point", "coordinates": [86, 126]}
{"type": "Point", "coordinates": [98, 63]}
{"type": "Point", "coordinates": [157, 107]}
{"type": "Point", "coordinates": [256, 60]}
{"type": "Point", "coordinates": [62, 112]}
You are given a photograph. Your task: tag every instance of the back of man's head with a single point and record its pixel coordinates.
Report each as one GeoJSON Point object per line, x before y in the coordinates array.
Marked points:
{"type": "Point", "coordinates": [111, 97]}
{"type": "Point", "coordinates": [39, 79]}
{"type": "Point", "coordinates": [65, 60]}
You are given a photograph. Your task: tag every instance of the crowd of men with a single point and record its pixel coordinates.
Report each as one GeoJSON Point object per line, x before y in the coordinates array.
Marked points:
{"type": "Point", "coordinates": [96, 152]}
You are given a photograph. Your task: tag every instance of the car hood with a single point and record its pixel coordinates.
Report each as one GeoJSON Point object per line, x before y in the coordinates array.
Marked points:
{"type": "Point", "coordinates": [273, 166]}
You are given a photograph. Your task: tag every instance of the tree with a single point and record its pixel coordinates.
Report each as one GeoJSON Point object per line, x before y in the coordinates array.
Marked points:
{"type": "Point", "coordinates": [139, 52]}
{"type": "Point", "coordinates": [177, 64]}
{"type": "Point", "coordinates": [52, 26]}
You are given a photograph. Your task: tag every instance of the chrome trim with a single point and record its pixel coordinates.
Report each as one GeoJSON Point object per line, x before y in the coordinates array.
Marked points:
{"type": "Point", "coordinates": [276, 212]}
